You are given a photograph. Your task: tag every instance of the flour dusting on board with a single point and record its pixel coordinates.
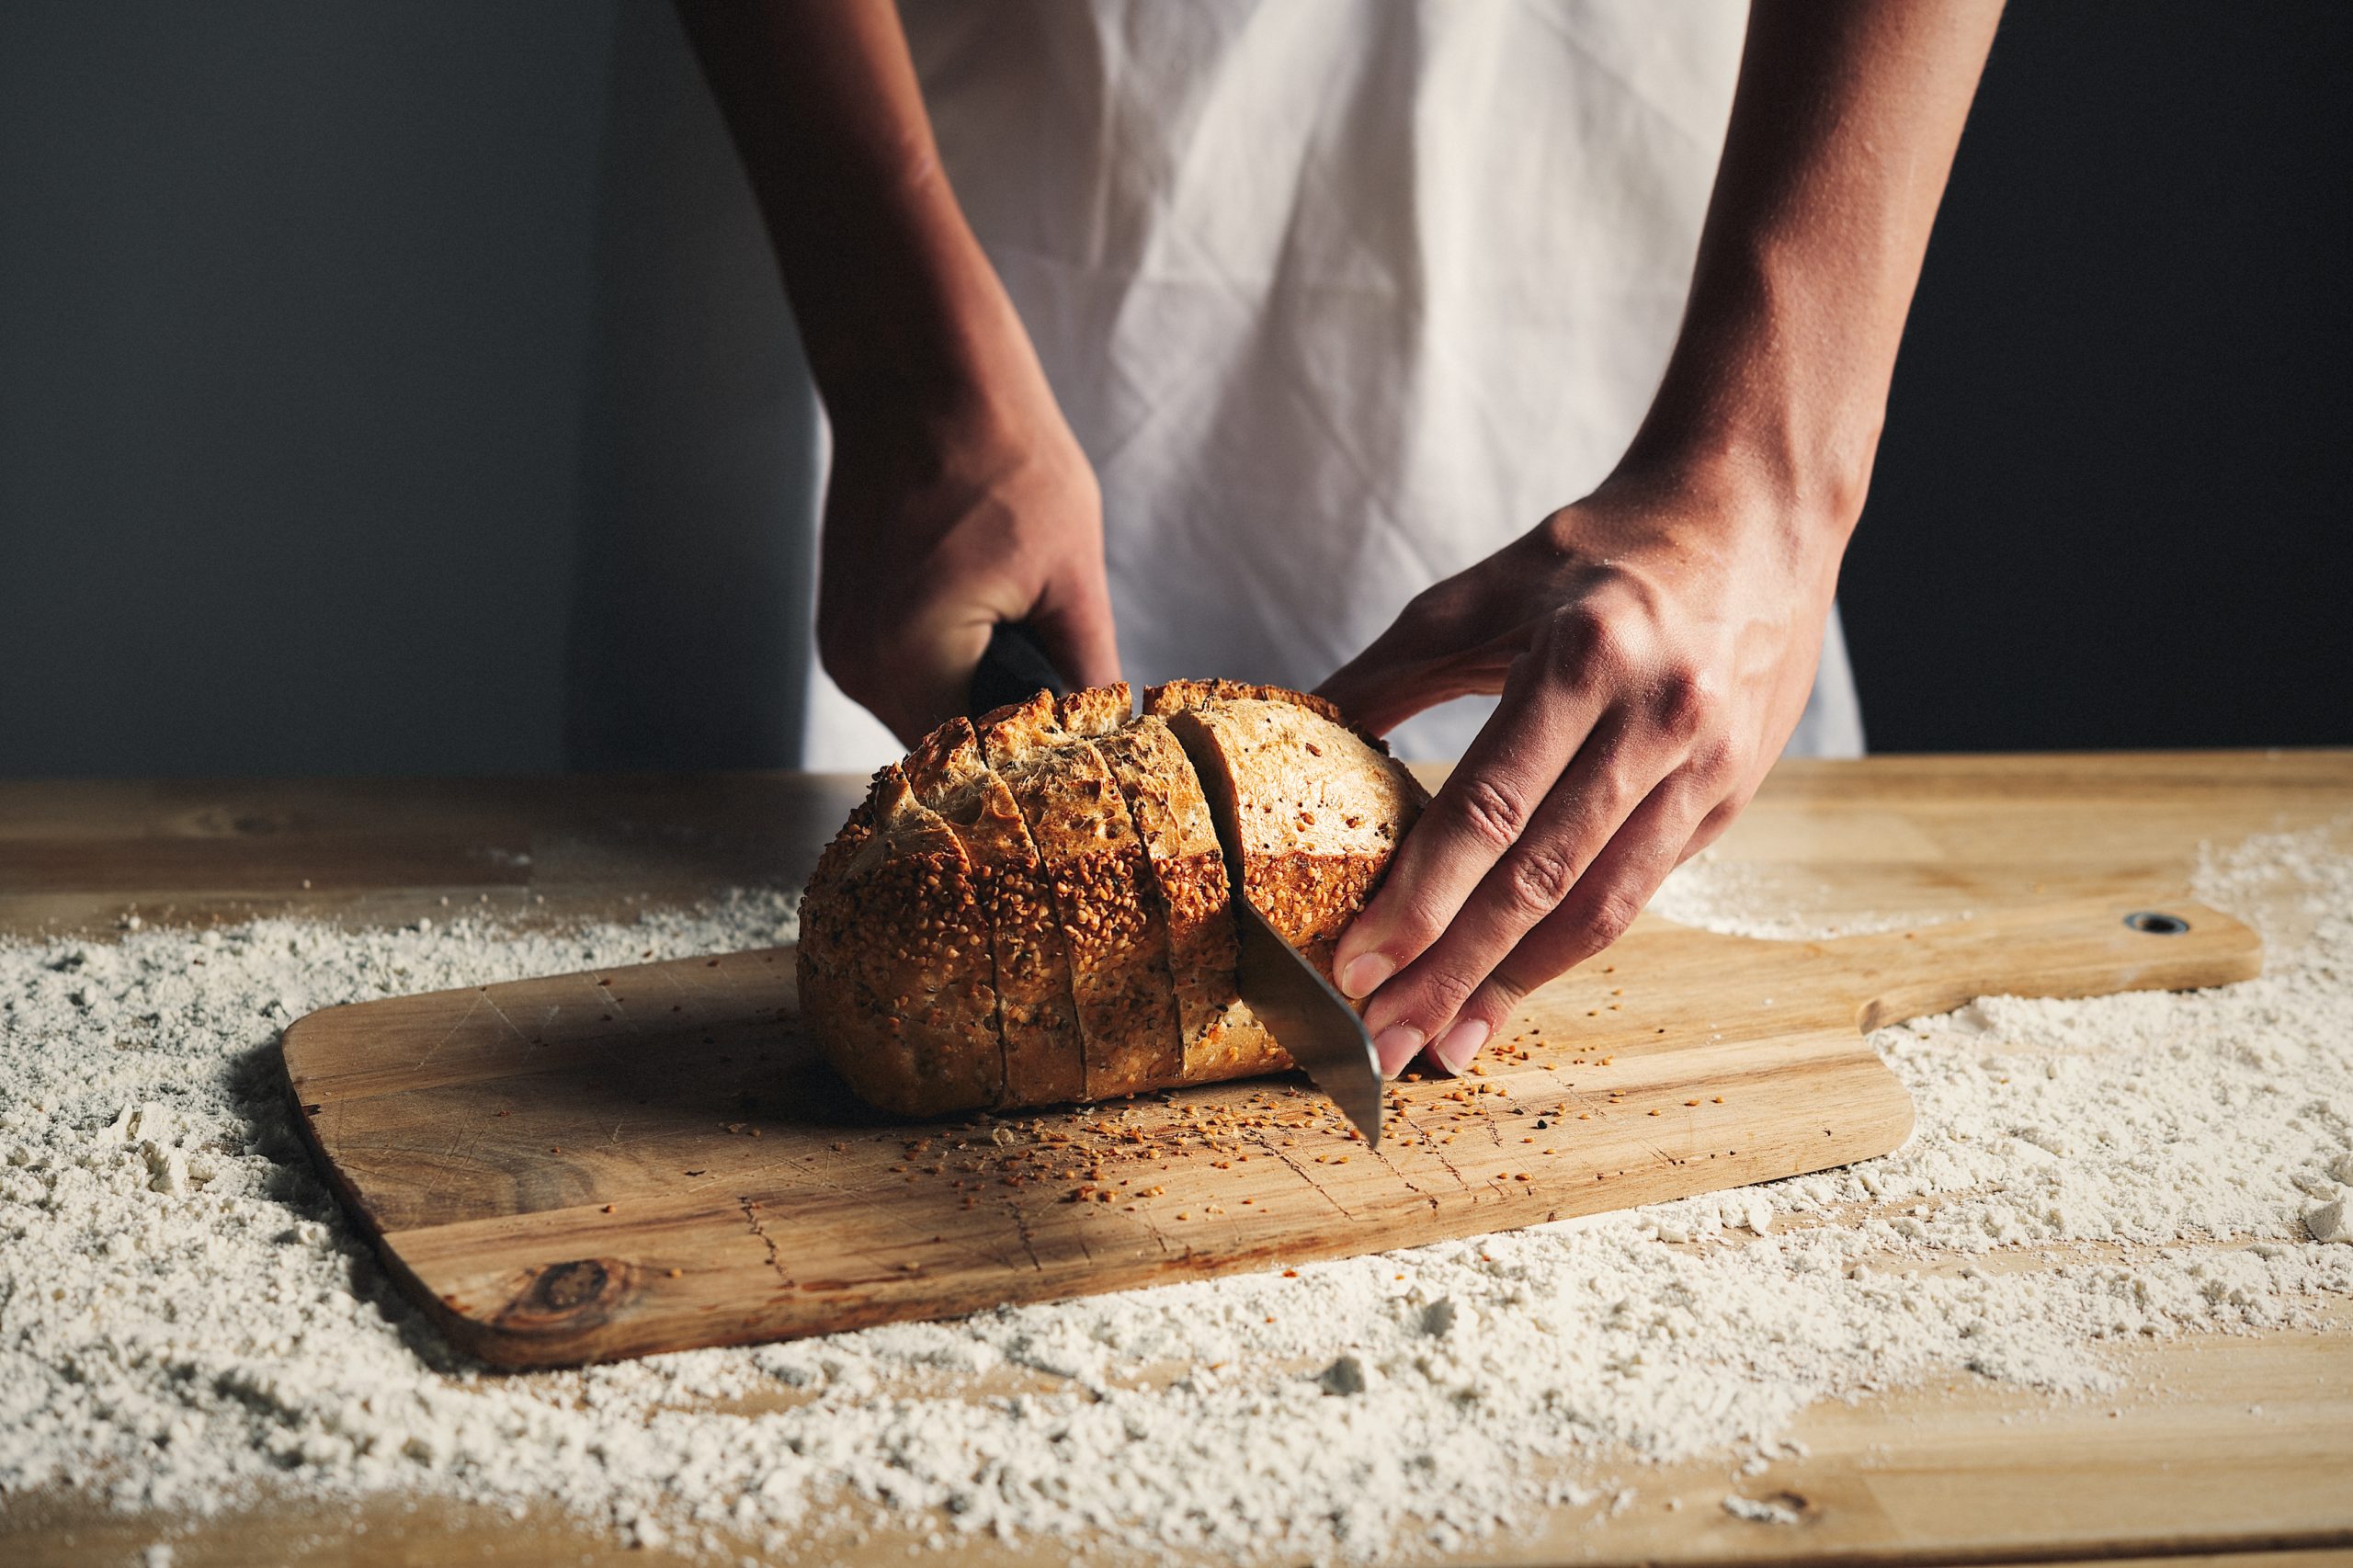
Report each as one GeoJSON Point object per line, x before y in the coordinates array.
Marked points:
{"type": "Point", "coordinates": [1739, 900]}
{"type": "Point", "coordinates": [185, 1321]}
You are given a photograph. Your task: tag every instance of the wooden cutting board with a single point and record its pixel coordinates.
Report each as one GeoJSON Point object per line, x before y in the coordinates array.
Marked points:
{"type": "Point", "coordinates": [597, 1166]}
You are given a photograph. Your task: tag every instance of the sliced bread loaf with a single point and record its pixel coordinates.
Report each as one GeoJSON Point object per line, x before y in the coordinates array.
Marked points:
{"type": "Point", "coordinates": [1039, 907]}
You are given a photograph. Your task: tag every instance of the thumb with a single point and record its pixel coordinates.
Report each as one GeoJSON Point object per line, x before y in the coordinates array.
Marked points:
{"type": "Point", "coordinates": [1395, 678]}
{"type": "Point", "coordinates": [1073, 621]}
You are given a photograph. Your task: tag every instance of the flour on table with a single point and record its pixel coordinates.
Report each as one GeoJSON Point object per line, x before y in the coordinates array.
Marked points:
{"type": "Point", "coordinates": [1739, 900]}
{"type": "Point", "coordinates": [187, 1322]}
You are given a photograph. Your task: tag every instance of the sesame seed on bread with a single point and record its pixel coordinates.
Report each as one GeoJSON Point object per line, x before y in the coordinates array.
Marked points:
{"type": "Point", "coordinates": [1120, 986]}
{"type": "Point", "coordinates": [1039, 1031]}
{"type": "Point", "coordinates": [1097, 711]}
{"type": "Point", "coordinates": [1172, 816]}
{"type": "Point", "coordinates": [893, 963]}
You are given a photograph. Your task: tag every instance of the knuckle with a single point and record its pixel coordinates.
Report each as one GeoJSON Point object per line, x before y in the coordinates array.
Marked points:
{"type": "Point", "coordinates": [1539, 879]}
{"type": "Point", "coordinates": [1409, 934]}
{"type": "Point", "coordinates": [1437, 610]}
{"type": "Point", "coordinates": [1433, 603]}
{"type": "Point", "coordinates": [1500, 998]}
{"type": "Point", "coordinates": [1583, 637]}
{"type": "Point", "coordinates": [1443, 992]}
{"type": "Point", "coordinates": [1717, 762]}
{"type": "Point", "coordinates": [1685, 703]}
{"type": "Point", "coordinates": [1490, 813]}
{"type": "Point", "coordinates": [1726, 812]}
{"type": "Point", "coordinates": [1614, 913]}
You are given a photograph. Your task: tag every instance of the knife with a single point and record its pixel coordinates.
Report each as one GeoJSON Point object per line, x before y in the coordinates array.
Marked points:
{"type": "Point", "coordinates": [1012, 669]}
{"type": "Point", "coordinates": [1311, 1022]}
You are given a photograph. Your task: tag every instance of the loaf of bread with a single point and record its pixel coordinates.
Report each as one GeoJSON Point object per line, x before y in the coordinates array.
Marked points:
{"type": "Point", "coordinates": [1037, 907]}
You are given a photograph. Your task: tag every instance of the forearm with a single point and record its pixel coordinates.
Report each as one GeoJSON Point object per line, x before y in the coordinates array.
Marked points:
{"type": "Point", "coordinates": [899, 311]}
{"type": "Point", "coordinates": [1843, 130]}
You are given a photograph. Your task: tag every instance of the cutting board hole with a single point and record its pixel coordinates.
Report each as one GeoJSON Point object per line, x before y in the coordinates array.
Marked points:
{"type": "Point", "coordinates": [2157, 923]}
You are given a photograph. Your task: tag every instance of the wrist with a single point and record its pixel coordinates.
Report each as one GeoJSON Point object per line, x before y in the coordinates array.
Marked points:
{"type": "Point", "coordinates": [1815, 479]}
{"type": "Point", "coordinates": [1773, 392]}
{"type": "Point", "coordinates": [1752, 479]}
{"type": "Point", "coordinates": [923, 334]}
{"type": "Point", "coordinates": [1719, 502]}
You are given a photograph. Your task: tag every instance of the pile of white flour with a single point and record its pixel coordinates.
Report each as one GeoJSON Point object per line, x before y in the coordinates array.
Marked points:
{"type": "Point", "coordinates": [187, 1322]}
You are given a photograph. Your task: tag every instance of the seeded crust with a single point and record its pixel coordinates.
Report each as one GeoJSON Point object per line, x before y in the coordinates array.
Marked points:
{"type": "Point", "coordinates": [1039, 1031]}
{"type": "Point", "coordinates": [1118, 942]}
{"type": "Point", "coordinates": [1222, 1039]}
{"type": "Point", "coordinates": [1176, 696]}
{"type": "Point", "coordinates": [891, 962]}
{"type": "Point", "coordinates": [1312, 809]}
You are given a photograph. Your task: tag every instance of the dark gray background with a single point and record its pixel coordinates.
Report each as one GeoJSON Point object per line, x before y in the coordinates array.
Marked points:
{"type": "Point", "coordinates": [333, 438]}
{"type": "Point", "coordinates": [2112, 506]}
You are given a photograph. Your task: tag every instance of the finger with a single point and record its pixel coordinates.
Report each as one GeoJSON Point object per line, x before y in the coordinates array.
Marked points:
{"type": "Point", "coordinates": [1073, 621]}
{"type": "Point", "coordinates": [1712, 827]}
{"type": "Point", "coordinates": [1381, 687]}
{"type": "Point", "coordinates": [933, 679]}
{"type": "Point", "coordinates": [1618, 768]}
{"type": "Point", "coordinates": [1512, 765]}
{"type": "Point", "coordinates": [910, 680]}
{"type": "Point", "coordinates": [1594, 916]}
{"type": "Point", "coordinates": [1416, 665]}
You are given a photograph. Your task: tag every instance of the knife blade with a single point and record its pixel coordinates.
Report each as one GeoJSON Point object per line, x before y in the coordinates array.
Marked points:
{"type": "Point", "coordinates": [1310, 1020]}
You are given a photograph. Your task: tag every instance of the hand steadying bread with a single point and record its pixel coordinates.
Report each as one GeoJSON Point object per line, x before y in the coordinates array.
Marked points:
{"type": "Point", "coordinates": [1037, 907]}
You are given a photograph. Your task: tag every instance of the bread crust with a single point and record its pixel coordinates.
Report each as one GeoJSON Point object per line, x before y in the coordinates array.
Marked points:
{"type": "Point", "coordinates": [1180, 695]}
{"type": "Point", "coordinates": [890, 962]}
{"type": "Point", "coordinates": [1120, 986]}
{"type": "Point", "coordinates": [1041, 1058]}
{"type": "Point", "coordinates": [1096, 711]}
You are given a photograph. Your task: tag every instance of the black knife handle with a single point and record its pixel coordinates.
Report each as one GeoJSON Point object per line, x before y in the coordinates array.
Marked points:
{"type": "Point", "coordinates": [1014, 668]}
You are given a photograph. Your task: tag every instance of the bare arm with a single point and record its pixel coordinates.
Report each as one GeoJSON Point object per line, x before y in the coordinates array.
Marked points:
{"type": "Point", "coordinates": [957, 496]}
{"type": "Point", "coordinates": [1654, 643]}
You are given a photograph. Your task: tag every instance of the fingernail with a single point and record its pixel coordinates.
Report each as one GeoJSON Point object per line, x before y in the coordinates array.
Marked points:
{"type": "Point", "coordinates": [1460, 1044]}
{"type": "Point", "coordinates": [1396, 1045]}
{"type": "Point", "coordinates": [1364, 974]}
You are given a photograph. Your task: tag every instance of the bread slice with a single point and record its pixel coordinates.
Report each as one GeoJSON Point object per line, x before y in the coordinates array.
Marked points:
{"type": "Point", "coordinates": [892, 963]}
{"type": "Point", "coordinates": [1310, 808]}
{"type": "Point", "coordinates": [1042, 1060]}
{"type": "Point", "coordinates": [1097, 867]}
{"type": "Point", "coordinates": [1222, 1039]}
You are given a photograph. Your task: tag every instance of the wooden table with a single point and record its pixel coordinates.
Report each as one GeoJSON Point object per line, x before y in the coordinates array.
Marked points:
{"type": "Point", "coordinates": [1969, 1473]}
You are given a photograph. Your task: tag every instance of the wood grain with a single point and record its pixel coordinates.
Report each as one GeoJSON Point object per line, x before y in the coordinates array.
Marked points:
{"type": "Point", "coordinates": [597, 1166]}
